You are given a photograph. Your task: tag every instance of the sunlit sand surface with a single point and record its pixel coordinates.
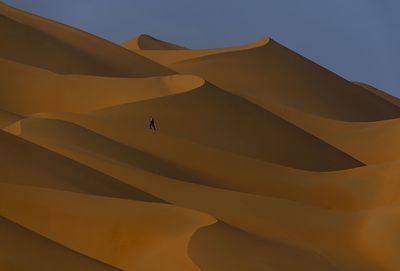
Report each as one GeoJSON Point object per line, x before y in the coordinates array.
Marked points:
{"type": "Point", "coordinates": [261, 159]}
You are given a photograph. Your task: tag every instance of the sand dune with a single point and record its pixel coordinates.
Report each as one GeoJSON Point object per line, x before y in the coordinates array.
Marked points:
{"type": "Point", "coordinates": [130, 238]}
{"type": "Point", "coordinates": [146, 42]}
{"type": "Point", "coordinates": [168, 57]}
{"type": "Point", "coordinates": [223, 247]}
{"type": "Point", "coordinates": [349, 190]}
{"type": "Point", "coordinates": [43, 91]}
{"type": "Point", "coordinates": [240, 210]}
{"type": "Point", "coordinates": [237, 126]}
{"type": "Point", "coordinates": [7, 118]}
{"type": "Point", "coordinates": [261, 75]}
{"type": "Point", "coordinates": [262, 160]}
{"type": "Point", "coordinates": [43, 168]}
{"type": "Point", "coordinates": [30, 248]}
{"type": "Point", "coordinates": [380, 93]}
{"type": "Point", "coordinates": [63, 49]}
{"type": "Point", "coordinates": [362, 140]}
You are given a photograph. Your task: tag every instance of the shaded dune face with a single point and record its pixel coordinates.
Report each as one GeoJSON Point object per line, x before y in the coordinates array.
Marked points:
{"type": "Point", "coordinates": [235, 125]}
{"type": "Point", "coordinates": [44, 168]}
{"type": "Point", "coordinates": [29, 247]}
{"type": "Point", "coordinates": [168, 57]}
{"type": "Point", "coordinates": [274, 73]}
{"type": "Point", "coordinates": [380, 93]}
{"type": "Point", "coordinates": [45, 91]}
{"type": "Point", "coordinates": [261, 159]}
{"type": "Point", "coordinates": [7, 118]}
{"type": "Point", "coordinates": [146, 42]}
{"type": "Point", "coordinates": [35, 41]}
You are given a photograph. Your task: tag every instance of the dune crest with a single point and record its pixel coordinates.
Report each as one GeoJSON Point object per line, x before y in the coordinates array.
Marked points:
{"type": "Point", "coordinates": [146, 42]}
{"type": "Point", "coordinates": [261, 75]}
{"type": "Point", "coordinates": [67, 50]}
{"type": "Point", "coordinates": [36, 93]}
{"type": "Point", "coordinates": [7, 118]}
{"type": "Point", "coordinates": [260, 159]}
{"type": "Point", "coordinates": [169, 57]}
{"type": "Point", "coordinates": [161, 231]}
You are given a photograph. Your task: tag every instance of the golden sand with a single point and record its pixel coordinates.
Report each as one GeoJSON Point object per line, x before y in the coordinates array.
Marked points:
{"type": "Point", "coordinates": [262, 159]}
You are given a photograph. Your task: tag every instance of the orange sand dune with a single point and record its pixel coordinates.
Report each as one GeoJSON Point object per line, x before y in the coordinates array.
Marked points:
{"type": "Point", "coordinates": [42, 90]}
{"type": "Point", "coordinates": [64, 49]}
{"type": "Point", "coordinates": [146, 42]}
{"type": "Point", "coordinates": [251, 213]}
{"type": "Point", "coordinates": [262, 160]}
{"type": "Point", "coordinates": [7, 118]}
{"type": "Point", "coordinates": [384, 95]}
{"type": "Point", "coordinates": [125, 234]}
{"type": "Point", "coordinates": [30, 249]}
{"type": "Point", "coordinates": [273, 73]}
{"type": "Point", "coordinates": [223, 247]}
{"type": "Point", "coordinates": [354, 189]}
{"type": "Point", "coordinates": [47, 169]}
{"type": "Point", "coordinates": [237, 126]}
{"type": "Point", "coordinates": [168, 57]}
{"type": "Point", "coordinates": [362, 140]}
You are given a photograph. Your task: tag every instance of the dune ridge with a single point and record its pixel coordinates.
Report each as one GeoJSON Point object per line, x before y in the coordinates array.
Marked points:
{"type": "Point", "coordinates": [7, 118]}
{"type": "Point", "coordinates": [75, 92]}
{"type": "Point", "coordinates": [19, 242]}
{"type": "Point", "coordinates": [260, 75]}
{"type": "Point", "coordinates": [261, 159]}
{"type": "Point", "coordinates": [169, 57]}
{"type": "Point", "coordinates": [64, 49]}
{"type": "Point", "coordinates": [146, 42]}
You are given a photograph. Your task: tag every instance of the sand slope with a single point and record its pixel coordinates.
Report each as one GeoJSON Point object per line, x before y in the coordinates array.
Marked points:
{"type": "Point", "coordinates": [30, 249]}
{"type": "Point", "coordinates": [272, 72]}
{"type": "Point", "coordinates": [39, 42]}
{"type": "Point", "coordinates": [353, 189]}
{"type": "Point", "coordinates": [262, 160]}
{"type": "Point", "coordinates": [168, 57]}
{"type": "Point", "coordinates": [362, 140]}
{"type": "Point", "coordinates": [240, 210]}
{"type": "Point", "coordinates": [380, 93]}
{"type": "Point", "coordinates": [42, 90]}
{"type": "Point", "coordinates": [25, 163]}
{"type": "Point", "coordinates": [146, 42]}
{"type": "Point", "coordinates": [237, 126]}
{"type": "Point", "coordinates": [130, 238]}
{"type": "Point", "coordinates": [7, 118]}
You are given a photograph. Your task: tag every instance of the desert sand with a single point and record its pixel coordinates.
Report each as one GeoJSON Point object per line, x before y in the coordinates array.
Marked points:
{"type": "Point", "coordinates": [261, 160]}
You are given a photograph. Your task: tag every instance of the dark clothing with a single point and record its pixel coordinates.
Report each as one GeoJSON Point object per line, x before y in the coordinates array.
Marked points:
{"type": "Point", "coordinates": [152, 124]}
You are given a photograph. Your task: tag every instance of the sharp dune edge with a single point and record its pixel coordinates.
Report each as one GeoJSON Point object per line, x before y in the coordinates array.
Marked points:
{"type": "Point", "coordinates": [262, 160]}
{"type": "Point", "coordinates": [146, 42]}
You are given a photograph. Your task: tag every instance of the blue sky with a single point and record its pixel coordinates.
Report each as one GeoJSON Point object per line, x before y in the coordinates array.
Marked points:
{"type": "Point", "coordinates": [358, 39]}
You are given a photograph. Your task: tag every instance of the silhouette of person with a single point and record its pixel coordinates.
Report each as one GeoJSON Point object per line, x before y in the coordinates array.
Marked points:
{"type": "Point", "coordinates": [152, 123]}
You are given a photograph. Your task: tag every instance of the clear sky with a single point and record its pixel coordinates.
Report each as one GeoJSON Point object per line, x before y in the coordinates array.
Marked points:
{"type": "Point", "coordinates": [358, 39]}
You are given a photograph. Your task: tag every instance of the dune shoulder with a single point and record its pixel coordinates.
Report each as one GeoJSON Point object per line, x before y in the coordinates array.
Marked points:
{"type": "Point", "coordinates": [147, 42]}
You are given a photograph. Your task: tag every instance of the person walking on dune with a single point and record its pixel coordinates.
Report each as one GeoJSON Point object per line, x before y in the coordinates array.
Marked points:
{"type": "Point", "coordinates": [152, 125]}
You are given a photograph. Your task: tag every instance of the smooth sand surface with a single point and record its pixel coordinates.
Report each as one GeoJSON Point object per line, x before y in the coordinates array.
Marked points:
{"type": "Point", "coordinates": [381, 93]}
{"type": "Point", "coordinates": [7, 118]}
{"type": "Point", "coordinates": [261, 160]}
{"type": "Point", "coordinates": [63, 49]}
{"type": "Point", "coordinates": [122, 233]}
{"type": "Point", "coordinates": [146, 42]}
{"type": "Point", "coordinates": [30, 249]}
{"type": "Point", "coordinates": [236, 127]}
{"type": "Point", "coordinates": [167, 56]}
{"type": "Point", "coordinates": [272, 72]}
{"type": "Point", "coordinates": [43, 91]}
